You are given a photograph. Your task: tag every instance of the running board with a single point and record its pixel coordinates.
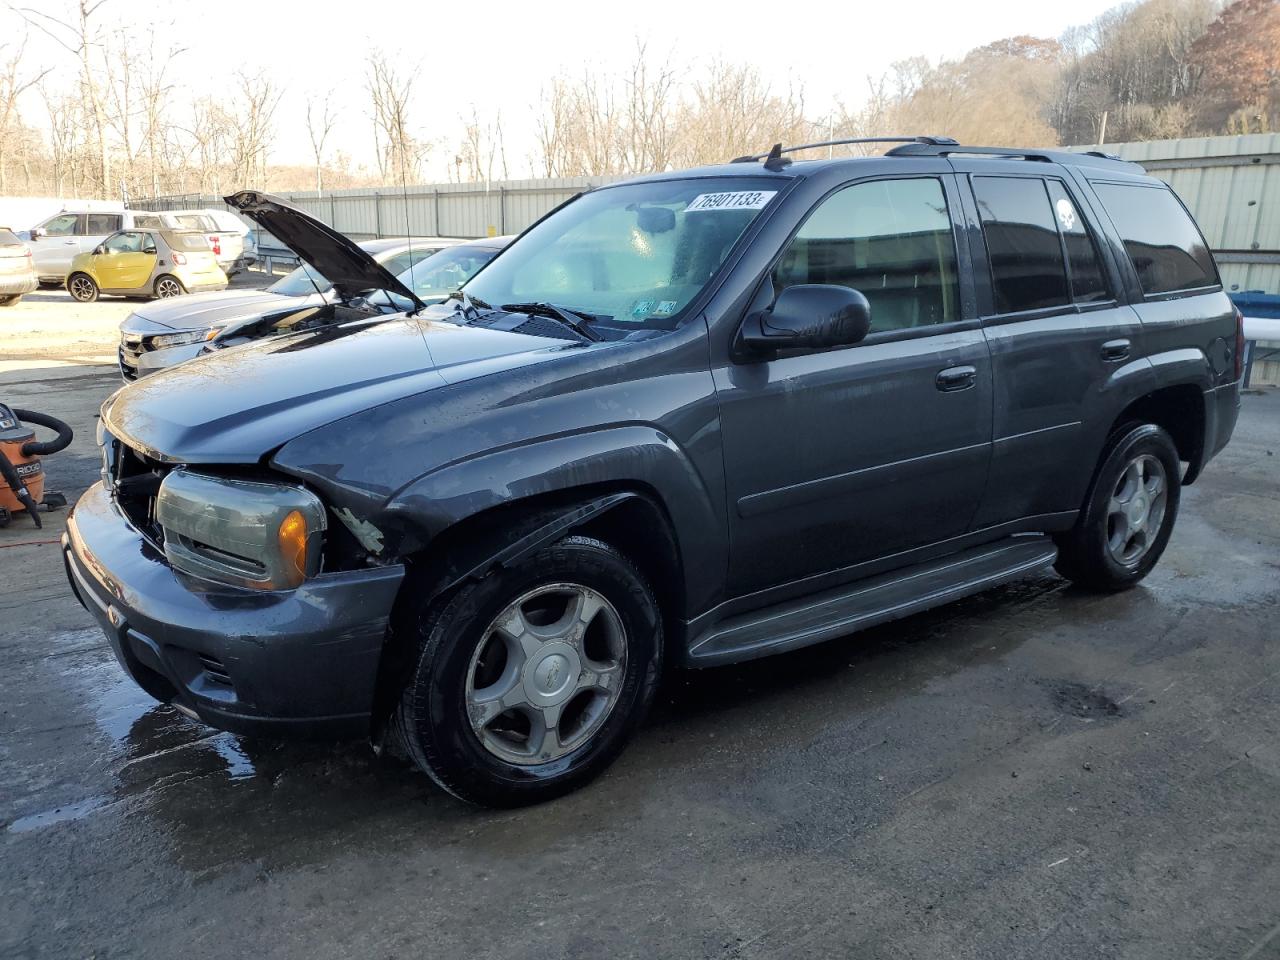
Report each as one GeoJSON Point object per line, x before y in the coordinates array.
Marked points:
{"type": "Point", "coordinates": [866, 603]}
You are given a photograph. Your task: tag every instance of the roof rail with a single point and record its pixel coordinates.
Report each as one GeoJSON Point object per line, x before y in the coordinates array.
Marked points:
{"type": "Point", "coordinates": [774, 159]}
{"type": "Point", "coordinates": [1085, 157]}
{"type": "Point", "coordinates": [933, 150]}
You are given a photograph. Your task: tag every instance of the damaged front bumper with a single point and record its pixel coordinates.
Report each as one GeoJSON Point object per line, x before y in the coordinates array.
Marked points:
{"type": "Point", "coordinates": [298, 661]}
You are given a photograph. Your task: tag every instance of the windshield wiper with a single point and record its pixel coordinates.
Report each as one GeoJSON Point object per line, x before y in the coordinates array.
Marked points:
{"type": "Point", "coordinates": [469, 306]}
{"type": "Point", "coordinates": [574, 321]}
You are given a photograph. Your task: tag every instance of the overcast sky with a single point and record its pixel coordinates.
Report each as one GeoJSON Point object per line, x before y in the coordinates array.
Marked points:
{"type": "Point", "coordinates": [499, 55]}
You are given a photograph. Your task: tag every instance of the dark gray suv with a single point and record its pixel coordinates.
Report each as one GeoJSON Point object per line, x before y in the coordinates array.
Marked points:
{"type": "Point", "coordinates": [692, 418]}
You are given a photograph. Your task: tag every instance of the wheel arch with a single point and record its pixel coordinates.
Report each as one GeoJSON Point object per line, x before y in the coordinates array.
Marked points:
{"type": "Point", "coordinates": [1178, 408]}
{"type": "Point", "coordinates": [630, 517]}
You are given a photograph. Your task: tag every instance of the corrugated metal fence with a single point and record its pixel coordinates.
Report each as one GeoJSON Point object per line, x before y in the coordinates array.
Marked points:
{"type": "Point", "coordinates": [434, 210]}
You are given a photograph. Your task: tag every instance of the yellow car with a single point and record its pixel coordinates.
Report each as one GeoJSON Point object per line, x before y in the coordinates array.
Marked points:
{"type": "Point", "coordinates": [146, 263]}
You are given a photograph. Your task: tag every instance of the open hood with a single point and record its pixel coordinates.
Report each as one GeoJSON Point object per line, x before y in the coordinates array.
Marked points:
{"type": "Point", "coordinates": [350, 270]}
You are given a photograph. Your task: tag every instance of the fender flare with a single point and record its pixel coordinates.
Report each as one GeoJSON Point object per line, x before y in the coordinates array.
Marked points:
{"type": "Point", "coordinates": [580, 476]}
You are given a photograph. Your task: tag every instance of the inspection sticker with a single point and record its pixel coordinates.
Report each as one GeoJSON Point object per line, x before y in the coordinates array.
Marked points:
{"type": "Point", "coordinates": [738, 200]}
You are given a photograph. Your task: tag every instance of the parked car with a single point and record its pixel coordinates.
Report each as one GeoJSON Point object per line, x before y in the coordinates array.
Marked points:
{"type": "Point", "coordinates": [17, 272]}
{"type": "Point", "coordinates": [64, 236]}
{"type": "Point", "coordinates": [160, 335]}
{"type": "Point", "coordinates": [146, 263]}
{"type": "Point", "coordinates": [695, 417]}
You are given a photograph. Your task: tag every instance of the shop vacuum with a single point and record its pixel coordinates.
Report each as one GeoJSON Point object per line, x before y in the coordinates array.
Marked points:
{"type": "Point", "coordinates": [21, 473]}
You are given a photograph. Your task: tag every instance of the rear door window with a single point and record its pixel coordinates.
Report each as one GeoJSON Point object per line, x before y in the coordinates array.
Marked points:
{"type": "Point", "coordinates": [1166, 247]}
{"type": "Point", "coordinates": [1028, 271]}
{"type": "Point", "coordinates": [1088, 282]}
{"type": "Point", "coordinates": [98, 223]}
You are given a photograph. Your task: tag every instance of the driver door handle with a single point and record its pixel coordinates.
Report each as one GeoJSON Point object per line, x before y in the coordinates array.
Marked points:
{"type": "Point", "coordinates": [956, 378]}
{"type": "Point", "coordinates": [1114, 350]}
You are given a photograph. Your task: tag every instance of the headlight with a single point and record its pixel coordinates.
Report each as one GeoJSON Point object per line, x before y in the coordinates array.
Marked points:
{"type": "Point", "coordinates": [182, 339]}
{"type": "Point", "coordinates": [266, 536]}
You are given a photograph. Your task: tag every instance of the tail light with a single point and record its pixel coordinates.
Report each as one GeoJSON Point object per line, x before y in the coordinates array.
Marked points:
{"type": "Point", "coordinates": [217, 246]}
{"type": "Point", "coordinates": [180, 259]}
{"type": "Point", "coordinates": [1239, 344]}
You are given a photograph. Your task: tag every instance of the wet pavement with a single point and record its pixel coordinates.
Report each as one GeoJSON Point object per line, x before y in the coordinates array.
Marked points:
{"type": "Point", "coordinates": [1035, 772]}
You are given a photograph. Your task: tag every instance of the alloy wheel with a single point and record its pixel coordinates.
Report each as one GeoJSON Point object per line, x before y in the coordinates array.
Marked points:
{"type": "Point", "coordinates": [82, 288]}
{"type": "Point", "coordinates": [168, 287]}
{"type": "Point", "coordinates": [546, 673]}
{"type": "Point", "coordinates": [1136, 509]}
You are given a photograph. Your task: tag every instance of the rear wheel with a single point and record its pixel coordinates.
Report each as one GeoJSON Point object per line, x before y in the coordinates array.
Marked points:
{"type": "Point", "coordinates": [82, 287]}
{"type": "Point", "coordinates": [168, 286]}
{"type": "Point", "coordinates": [10, 300]}
{"type": "Point", "coordinates": [1128, 518]}
{"type": "Point", "coordinates": [529, 682]}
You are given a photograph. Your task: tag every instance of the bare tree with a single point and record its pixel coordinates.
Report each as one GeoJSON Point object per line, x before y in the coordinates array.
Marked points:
{"type": "Point", "coordinates": [399, 154]}
{"type": "Point", "coordinates": [320, 120]}
{"type": "Point", "coordinates": [251, 117]}
{"type": "Point", "coordinates": [13, 84]}
{"type": "Point", "coordinates": [483, 152]}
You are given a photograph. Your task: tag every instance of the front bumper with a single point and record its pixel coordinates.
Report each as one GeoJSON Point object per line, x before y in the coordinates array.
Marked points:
{"type": "Point", "coordinates": [303, 661]}
{"type": "Point", "coordinates": [135, 363]}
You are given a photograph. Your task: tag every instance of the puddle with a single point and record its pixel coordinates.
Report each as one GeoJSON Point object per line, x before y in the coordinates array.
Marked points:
{"type": "Point", "coordinates": [63, 814]}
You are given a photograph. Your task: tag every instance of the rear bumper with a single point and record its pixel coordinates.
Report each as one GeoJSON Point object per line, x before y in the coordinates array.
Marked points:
{"type": "Point", "coordinates": [1222, 409]}
{"type": "Point", "coordinates": [299, 662]}
{"type": "Point", "coordinates": [199, 284]}
{"type": "Point", "coordinates": [26, 283]}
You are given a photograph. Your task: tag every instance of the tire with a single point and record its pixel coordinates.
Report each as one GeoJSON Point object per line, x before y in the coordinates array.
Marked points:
{"type": "Point", "coordinates": [82, 287]}
{"type": "Point", "coordinates": [502, 759]}
{"type": "Point", "coordinates": [167, 286]}
{"type": "Point", "coordinates": [9, 301]}
{"type": "Point", "coordinates": [1121, 532]}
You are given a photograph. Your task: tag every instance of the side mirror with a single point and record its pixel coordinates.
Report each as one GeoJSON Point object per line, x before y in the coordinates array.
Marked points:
{"type": "Point", "coordinates": [807, 316]}
{"type": "Point", "coordinates": [36, 233]}
{"type": "Point", "coordinates": [100, 249]}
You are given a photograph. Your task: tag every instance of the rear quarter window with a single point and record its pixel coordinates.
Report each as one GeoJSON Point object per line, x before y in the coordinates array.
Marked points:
{"type": "Point", "coordinates": [8, 238]}
{"type": "Point", "coordinates": [1163, 242]}
{"type": "Point", "coordinates": [187, 241]}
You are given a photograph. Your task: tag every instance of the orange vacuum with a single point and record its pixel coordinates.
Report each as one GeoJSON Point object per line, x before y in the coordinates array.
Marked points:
{"type": "Point", "coordinates": [21, 473]}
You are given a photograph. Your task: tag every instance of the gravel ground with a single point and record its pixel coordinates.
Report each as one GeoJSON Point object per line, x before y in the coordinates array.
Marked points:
{"type": "Point", "coordinates": [50, 329]}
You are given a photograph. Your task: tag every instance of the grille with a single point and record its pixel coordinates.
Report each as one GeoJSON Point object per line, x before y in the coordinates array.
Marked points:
{"type": "Point", "coordinates": [214, 670]}
{"type": "Point", "coordinates": [132, 346]}
{"type": "Point", "coordinates": [135, 482]}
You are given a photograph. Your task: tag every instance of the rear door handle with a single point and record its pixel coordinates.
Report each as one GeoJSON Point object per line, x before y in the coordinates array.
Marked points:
{"type": "Point", "coordinates": [956, 378]}
{"type": "Point", "coordinates": [1114, 350]}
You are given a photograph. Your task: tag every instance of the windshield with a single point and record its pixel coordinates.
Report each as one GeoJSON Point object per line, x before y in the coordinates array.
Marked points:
{"type": "Point", "coordinates": [301, 282]}
{"type": "Point", "coordinates": [439, 275]}
{"type": "Point", "coordinates": [636, 254]}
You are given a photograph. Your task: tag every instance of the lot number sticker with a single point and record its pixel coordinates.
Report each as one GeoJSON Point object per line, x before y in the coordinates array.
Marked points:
{"type": "Point", "coordinates": [739, 200]}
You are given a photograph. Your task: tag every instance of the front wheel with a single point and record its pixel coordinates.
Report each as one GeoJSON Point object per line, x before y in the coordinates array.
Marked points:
{"type": "Point", "coordinates": [1129, 515]}
{"type": "Point", "coordinates": [82, 287]}
{"type": "Point", "coordinates": [167, 287]}
{"type": "Point", "coordinates": [529, 682]}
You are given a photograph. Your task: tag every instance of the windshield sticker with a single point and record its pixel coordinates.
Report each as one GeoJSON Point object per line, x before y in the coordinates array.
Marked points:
{"type": "Point", "coordinates": [641, 309]}
{"type": "Point", "coordinates": [739, 200]}
{"type": "Point", "coordinates": [665, 309]}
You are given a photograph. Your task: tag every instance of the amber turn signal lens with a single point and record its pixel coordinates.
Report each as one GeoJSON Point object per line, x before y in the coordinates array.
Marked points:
{"type": "Point", "coordinates": [292, 537]}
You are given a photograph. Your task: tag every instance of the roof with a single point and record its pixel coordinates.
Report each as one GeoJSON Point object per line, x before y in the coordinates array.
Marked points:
{"type": "Point", "coordinates": [396, 243]}
{"type": "Point", "coordinates": [777, 165]}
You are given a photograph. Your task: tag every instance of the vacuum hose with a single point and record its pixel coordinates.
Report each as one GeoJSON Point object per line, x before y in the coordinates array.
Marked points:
{"type": "Point", "coordinates": [18, 488]}
{"type": "Point", "coordinates": [40, 448]}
